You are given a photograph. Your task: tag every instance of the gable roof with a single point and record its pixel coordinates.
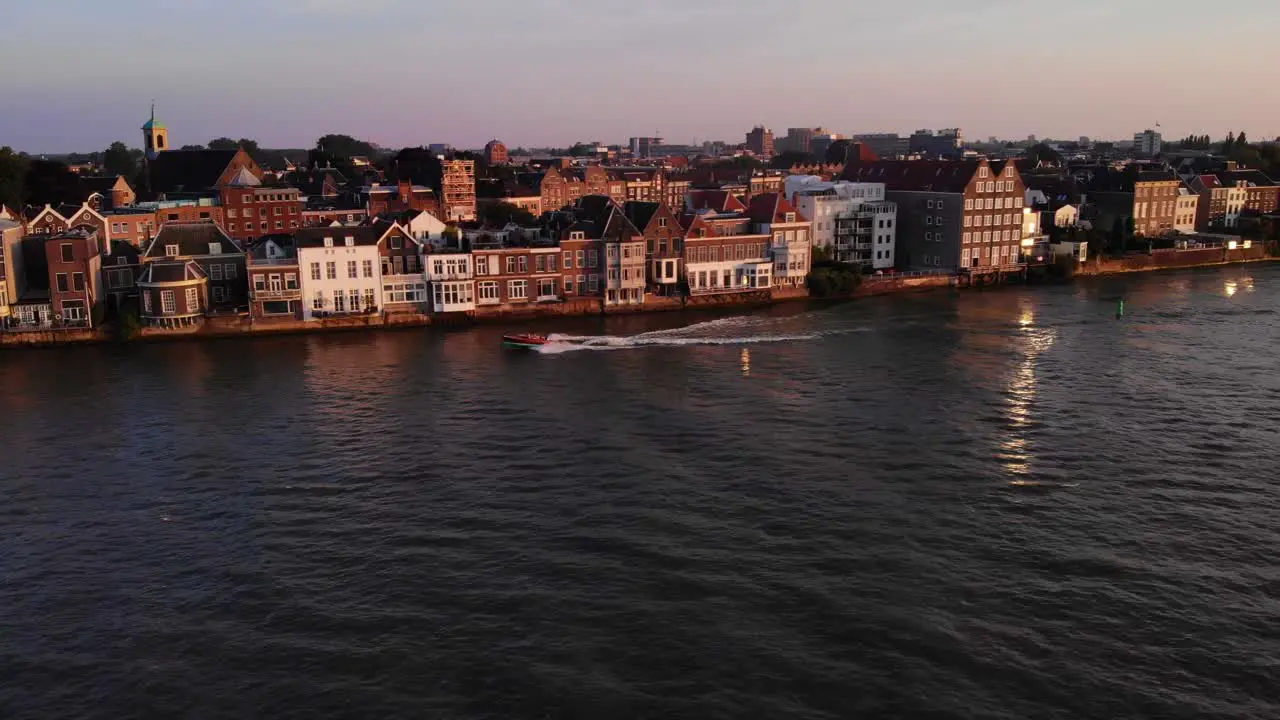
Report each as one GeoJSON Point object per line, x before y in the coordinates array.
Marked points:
{"type": "Point", "coordinates": [189, 170]}
{"type": "Point", "coordinates": [601, 218]}
{"type": "Point", "coordinates": [315, 237]}
{"type": "Point", "coordinates": [718, 200]}
{"type": "Point", "coordinates": [103, 183]}
{"type": "Point", "coordinates": [770, 208]}
{"type": "Point", "coordinates": [640, 213]}
{"type": "Point", "coordinates": [192, 238]}
{"type": "Point", "coordinates": [386, 228]}
{"type": "Point", "coordinates": [257, 249]}
{"type": "Point", "coordinates": [167, 271]}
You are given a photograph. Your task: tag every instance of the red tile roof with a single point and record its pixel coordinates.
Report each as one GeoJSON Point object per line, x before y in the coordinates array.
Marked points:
{"type": "Point", "coordinates": [770, 208]}
{"type": "Point", "coordinates": [718, 200]}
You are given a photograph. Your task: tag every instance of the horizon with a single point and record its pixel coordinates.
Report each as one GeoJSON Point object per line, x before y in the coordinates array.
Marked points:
{"type": "Point", "coordinates": [416, 86]}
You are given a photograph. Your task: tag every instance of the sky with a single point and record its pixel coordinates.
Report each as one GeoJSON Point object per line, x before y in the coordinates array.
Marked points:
{"type": "Point", "coordinates": [552, 72]}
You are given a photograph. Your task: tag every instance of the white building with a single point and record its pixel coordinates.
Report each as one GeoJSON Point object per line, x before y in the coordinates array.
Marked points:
{"type": "Point", "coordinates": [1147, 143]}
{"type": "Point", "coordinates": [341, 270]}
{"type": "Point", "coordinates": [1067, 216]}
{"type": "Point", "coordinates": [451, 277]}
{"type": "Point", "coordinates": [853, 219]}
{"type": "Point", "coordinates": [791, 244]}
{"type": "Point", "coordinates": [426, 229]}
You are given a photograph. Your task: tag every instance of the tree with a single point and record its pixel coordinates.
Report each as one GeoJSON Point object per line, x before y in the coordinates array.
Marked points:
{"type": "Point", "coordinates": [50, 183]}
{"type": "Point", "coordinates": [498, 214]}
{"type": "Point", "coordinates": [1042, 153]}
{"type": "Point", "coordinates": [417, 165]}
{"type": "Point", "coordinates": [582, 150]}
{"type": "Point", "coordinates": [249, 146]}
{"type": "Point", "coordinates": [223, 143]}
{"type": "Point", "coordinates": [341, 148]}
{"type": "Point", "coordinates": [118, 160]}
{"type": "Point", "coordinates": [13, 175]}
{"type": "Point", "coordinates": [192, 147]}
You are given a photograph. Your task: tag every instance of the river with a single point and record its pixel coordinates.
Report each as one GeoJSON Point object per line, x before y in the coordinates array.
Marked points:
{"type": "Point", "coordinates": [984, 504]}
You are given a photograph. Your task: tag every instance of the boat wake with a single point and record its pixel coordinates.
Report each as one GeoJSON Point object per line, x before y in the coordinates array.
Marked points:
{"type": "Point", "coordinates": [725, 331]}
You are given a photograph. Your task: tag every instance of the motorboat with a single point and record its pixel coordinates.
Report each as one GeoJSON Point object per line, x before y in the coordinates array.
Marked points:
{"type": "Point", "coordinates": [524, 341]}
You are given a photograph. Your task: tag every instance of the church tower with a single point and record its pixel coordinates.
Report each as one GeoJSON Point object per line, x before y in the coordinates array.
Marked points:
{"type": "Point", "coordinates": [155, 136]}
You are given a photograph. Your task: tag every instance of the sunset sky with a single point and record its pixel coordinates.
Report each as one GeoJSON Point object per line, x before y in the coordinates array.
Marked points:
{"type": "Point", "coordinates": [78, 74]}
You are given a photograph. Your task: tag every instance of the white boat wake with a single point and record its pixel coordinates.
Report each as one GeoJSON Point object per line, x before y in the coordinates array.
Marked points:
{"type": "Point", "coordinates": [725, 331]}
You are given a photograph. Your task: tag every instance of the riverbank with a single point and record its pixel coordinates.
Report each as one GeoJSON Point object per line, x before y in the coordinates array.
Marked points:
{"type": "Point", "coordinates": [244, 325]}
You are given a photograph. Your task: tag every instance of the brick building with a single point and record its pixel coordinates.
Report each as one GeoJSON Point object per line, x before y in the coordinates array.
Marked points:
{"type": "Point", "coordinates": [760, 141]}
{"type": "Point", "coordinates": [219, 259]}
{"type": "Point", "coordinates": [495, 153]}
{"type": "Point", "coordinates": [74, 262]}
{"type": "Point", "coordinates": [664, 243]}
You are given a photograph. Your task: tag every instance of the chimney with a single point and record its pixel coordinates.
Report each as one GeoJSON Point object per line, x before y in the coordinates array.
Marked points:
{"type": "Point", "coordinates": [406, 191]}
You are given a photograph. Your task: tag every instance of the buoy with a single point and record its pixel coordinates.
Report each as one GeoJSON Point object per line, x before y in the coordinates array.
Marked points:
{"type": "Point", "coordinates": [1120, 309]}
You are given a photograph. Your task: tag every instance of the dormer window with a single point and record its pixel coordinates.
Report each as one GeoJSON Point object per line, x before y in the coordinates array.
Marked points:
{"type": "Point", "coordinates": [662, 222]}
{"type": "Point", "coordinates": [328, 242]}
{"type": "Point", "coordinates": [577, 235]}
{"type": "Point", "coordinates": [215, 248]}
{"type": "Point", "coordinates": [1008, 172]}
{"type": "Point", "coordinates": [350, 241]}
{"type": "Point", "coordinates": [791, 217]}
{"type": "Point", "coordinates": [122, 261]}
{"type": "Point", "coordinates": [171, 251]}
{"type": "Point", "coordinates": [982, 171]}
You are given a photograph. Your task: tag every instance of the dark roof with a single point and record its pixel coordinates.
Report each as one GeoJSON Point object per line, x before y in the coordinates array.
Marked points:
{"type": "Point", "coordinates": [258, 248]}
{"type": "Point", "coordinates": [192, 239]}
{"type": "Point", "coordinates": [769, 208]}
{"type": "Point", "coordinates": [167, 271]}
{"type": "Point", "coordinates": [603, 219]}
{"type": "Point", "coordinates": [315, 237]}
{"type": "Point", "coordinates": [945, 176]}
{"type": "Point", "coordinates": [718, 200]}
{"type": "Point", "coordinates": [640, 213]}
{"type": "Point", "coordinates": [124, 248]}
{"type": "Point", "coordinates": [1252, 177]}
{"type": "Point", "coordinates": [189, 170]}
{"type": "Point", "coordinates": [101, 183]}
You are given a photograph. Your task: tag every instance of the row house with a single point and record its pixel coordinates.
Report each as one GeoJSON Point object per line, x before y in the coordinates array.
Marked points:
{"type": "Point", "coordinates": [581, 262]}
{"type": "Point", "coordinates": [198, 270]}
{"type": "Point", "coordinates": [11, 266]}
{"type": "Point", "coordinates": [516, 276]}
{"type": "Point", "coordinates": [1262, 194]}
{"type": "Point", "coordinates": [723, 254]}
{"type": "Point", "coordinates": [43, 220]}
{"type": "Point", "coordinates": [251, 210]}
{"type": "Point", "coordinates": [404, 284]}
{"type": "Point", "coordinates": [73, 261]}
{"type": "Point", "coordinates": [450, 277]}
{"type": "Point", "coordinates": [790, 248]}
{"type": "Point", "coordinates": [951, 214]}
{"type": "Point", "coordinates": [664, 243]}
{"type": "Point", "coordinates": [1220, 204]}
{"type": "Point", "coordinates": [341, 270]}
{"type": "Point", "coordinates": [275, 280]}
{"type": "Point", "coordinates": [561, 187]}
{"type": "Point", "coordinates": [1186, 210]}
{"type": "Point", "coordinates": [601, 218]}
{"type": "Point", "coordinates": [642, 184]}
{"type": "Point", "coordinates": [120, 270]}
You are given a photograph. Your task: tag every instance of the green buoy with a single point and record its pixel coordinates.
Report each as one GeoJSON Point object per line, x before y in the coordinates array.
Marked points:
{"type": "Point", "coordinates": [1120, 309]}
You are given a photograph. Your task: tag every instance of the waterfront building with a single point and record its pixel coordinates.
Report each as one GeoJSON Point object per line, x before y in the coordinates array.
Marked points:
{"type": "Point", "coordinates": [1262, 194]}
{"type": "Point", "coordinates": [790, 245]}
{"type": "Point", "coordinates": [275, 279]}
{"type": "Point", "coordinates": [404, 286]}
{"type": "Point", "coordinates": [219, 272]}
{"type": "Point", "coordinates": [1146, 195]}
{"type": "Point", "coordinates": [11, 267]}
{"type": "Point", "coordinates": [722, 254]}
{"type": "Point", "coordinates": [1188, 202]}
{"type": "Point", "coordinates": [253, 210]}
{"type": "Point", "coordinates": [664, 246]}
{"type": "Point", "coordinates": [451, 279]}
{"type": "Point", "coordinates": [512, 278]}
{"type": "Point", "coordinates": [853, 220]}
{"type": "Point", "coordinates": [952, 214]}
{"type": "Point", "coordinates": [120, 268]}
{"type": "Point", "coordinates": [603, 219]}
{"type": "Point", "coordinates": [1220, 204]}
{"type": "Point", "coordinates": [73, 266]}
{"type": "Point", "coordinates": [341, 270]}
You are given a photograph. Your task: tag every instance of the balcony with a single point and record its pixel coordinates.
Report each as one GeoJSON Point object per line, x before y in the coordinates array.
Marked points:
{"type": "Point", "coordinates": [267, 294]}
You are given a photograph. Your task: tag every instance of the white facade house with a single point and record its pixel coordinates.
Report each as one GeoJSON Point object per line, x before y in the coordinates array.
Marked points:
{"type": "Point", "coordinates": [1237, 198]}
{"type": "Point", "coordinates": [852, 219]}
{"type": "Point", "coordinates": [451, 278]}
{"type": "Point", "coordinates": [426, 229]}
{"type": "Point", "coordinates": [1067, 216]}
{"type": "Point", "coordinates": [341, 271]}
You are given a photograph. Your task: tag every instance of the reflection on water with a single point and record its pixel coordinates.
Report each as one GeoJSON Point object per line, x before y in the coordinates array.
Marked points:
{"type": "Point", "coordinates": [746, 362]}
{"type": "Point", "coordinates": [1230, 288]}
{"type": "Point", "coordinates": [1021, 390]}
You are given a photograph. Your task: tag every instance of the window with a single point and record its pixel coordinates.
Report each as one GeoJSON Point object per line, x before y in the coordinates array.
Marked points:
{"type": "Point", "coordinates": [77, 282]}
{"type": "Point", "coordinates": [368, 268]}
{"type": "Point", "coordinates": [247, 199]}
{"type": "Point", "coordinates": [279, 225]}
{"type": "Point", "coordinates": [591, 258]}
{"type": "Point", "coordinates": [339, 301]}
{"type": "Point", "coordinates": [328, 242]}
{"type": "Point", "coordinates": [662, 222]}
{"type": "Point", "coordinates": [331, 270]}
{"type": "Point", "coordinates": [511, 265]}
{"type": "Point", "coordinates": [593, 283]}
{"type": "Point", "coordinates": [230, 271]}
{"type": "Point", "coordinates": [352, 269]}
{"type": "Point", "coordinates": [928, 236]}
{"type": "Point", "coordinates": [219, 293]}
{"type": "Point", "coordinates": [370, 302]}
{"type": "Point", "coordinates": [215, 248]}
{"type": "Point", "coordinates": [540, 264]}
{"type": "Point", "coordinates": [231, 227]}
{"type": "Point", "coordinates": [523, 262]}
{"type": "Point", "coordinates": [546, 288]}
{"type": "Point", "coordinates": [551, 263]}
{"type": "Point", "coordinates": [929, 204]}
{"type": "Point", "coordinates": [193, 300]}
{"type": "Point", "coordinates": [315, 271]}
{"type": "Point", "coordinates": [517, 290]}
{"type": "Point", "coordinates": [317, 302]}
{"type": "Point", "coordinates": [928, 220]}
{"type": "Point", "coordinates": [215, 272]}
{"type": "Point", "coordinates": [982, 171]}
{"type": "Point", "coordinates": [968, 221]}
{"type": "Point", "coordinates": [488, 291]}
{"type": "Point", "coordinates": [61, 280]}
{"type": "Point", "coordinates": [291, 281]}
{"type": "Point", "coordinates": [146, 302]}
{"type": "Point", "coordinates": [579, 255]}
{"type": "Point", "coordinates": [232, 213]}
{"type": "Point", "coordinates": [171, 250]}
{"type": "Point", "coordinates": [349, 241]}
{"type": "Point", "coordinates": [276, 212]}
{"type": "Point", "coordinates": [168, 302]}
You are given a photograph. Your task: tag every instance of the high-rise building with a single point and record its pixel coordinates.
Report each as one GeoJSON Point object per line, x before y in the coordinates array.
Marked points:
{"type": "Point", "coordinates": [643, 147]}
{"type": "Point", "coordinates": [1147, 143]}
{"type": "Point", "coordinates": [760, 141]}
{"type": "Point", "coordinates": [884, 145]}
{"type": "Point", "coordinates": [800, 139]}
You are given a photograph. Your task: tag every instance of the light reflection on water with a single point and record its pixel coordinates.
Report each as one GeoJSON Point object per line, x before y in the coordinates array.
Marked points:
{"type": "Point", "coordinates": [1021, 391]}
